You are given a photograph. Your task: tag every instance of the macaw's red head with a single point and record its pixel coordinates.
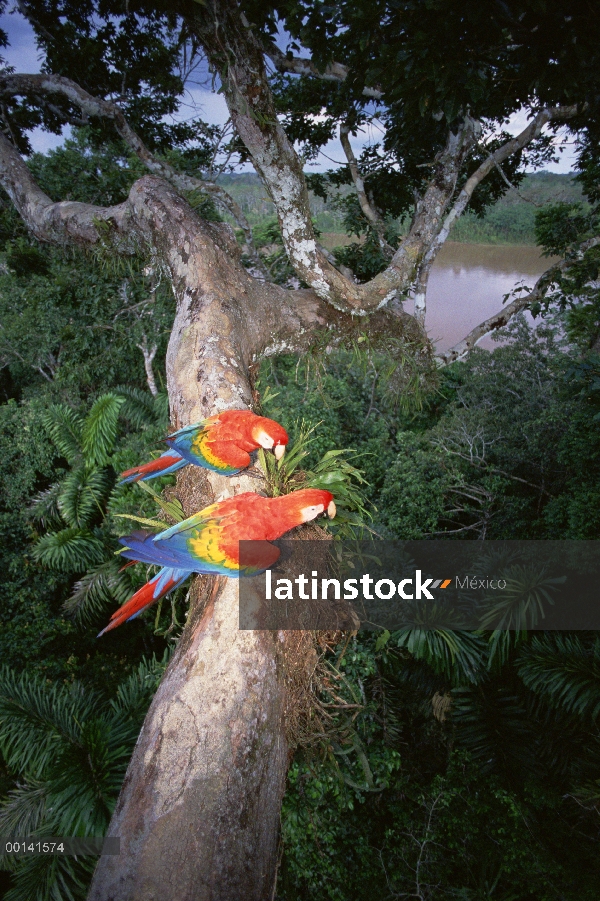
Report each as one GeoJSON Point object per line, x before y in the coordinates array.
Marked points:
{"type": "Point", "coordinates": [269, 434]}
{"type": "Point", "coordinates": [306, 504]}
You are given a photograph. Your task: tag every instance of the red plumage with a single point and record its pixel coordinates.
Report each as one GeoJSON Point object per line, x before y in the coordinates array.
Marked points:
{"type": "Point", "coordinates": [209, 542]}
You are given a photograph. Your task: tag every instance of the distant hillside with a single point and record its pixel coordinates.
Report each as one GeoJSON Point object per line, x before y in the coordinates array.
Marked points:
{"type": "Point", "coordinates": [248, 191]}
{"type": "Point", "coordinates": [510, 221]}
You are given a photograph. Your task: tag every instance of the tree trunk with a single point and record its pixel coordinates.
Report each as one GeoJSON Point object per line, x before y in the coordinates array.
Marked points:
{"type": "Point", "coordinates": [198, 815]}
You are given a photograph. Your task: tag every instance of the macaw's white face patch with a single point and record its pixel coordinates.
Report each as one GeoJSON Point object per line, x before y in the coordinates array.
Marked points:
{"type": "Point", "coordinates": [310, 513]}
{"type": "Point", "coordinates": [265, 440]}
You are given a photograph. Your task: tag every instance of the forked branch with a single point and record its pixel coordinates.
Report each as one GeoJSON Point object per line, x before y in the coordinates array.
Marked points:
{"type": "Point", "coordinates": [90, 106]}
{"type": "Point", "coordinates": [370, 212]}
{"type": "Point", "coordinates": [285, 62]}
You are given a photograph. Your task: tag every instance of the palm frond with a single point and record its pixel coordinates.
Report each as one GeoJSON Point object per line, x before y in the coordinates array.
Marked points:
{"type": "Point", "coordinates": [502, 644]}
{"type": "Point", "coordinates": [141, 409]}
{"type": "Point", "coordinates": [97, 589]}
{"type": "Point", "coordinates": [134, 692]}
{"type": "Point", "coordinates": [24, 810]}
{"type": "Point", "coordinates": [492, 723]}
{"type": "Point", "coordinates": [82, 492]}
{"type": "Point", "coordinates": [458, 656]}
{"type": "Point", "coordinates": [64, 426]}
{"type": "Point", "coordinates": [83, 779]}
{"type": "Point", "coordinates": [51, 877]}
{"type": "Point", "coordinates": [37, 720]}
{"type": "Point", "coordinates": [565, 671]}
{"type": "Point", "coordinates": [70, 750]}
{"type": "Point", "coordinates": [99, 431]}
{"type": "Point", "coordinates": [528, 593]}
{"type": "Point", "coordinates": [70, 550]}
{"type": "Point", "coordinates": [44, 506]}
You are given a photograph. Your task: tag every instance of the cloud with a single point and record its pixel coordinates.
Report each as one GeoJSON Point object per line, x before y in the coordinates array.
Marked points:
{"type": "Point", "coordinates": [23, 54]}
{"type": "Point", "coordinates": [564, 143]}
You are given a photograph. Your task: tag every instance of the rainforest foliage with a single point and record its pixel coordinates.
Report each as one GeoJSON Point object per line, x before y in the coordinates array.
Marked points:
{"type": "Point", "coordinates": [454, 765]}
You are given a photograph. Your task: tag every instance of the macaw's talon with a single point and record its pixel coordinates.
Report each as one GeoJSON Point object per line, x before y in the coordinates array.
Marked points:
{"type": "Point", "coordinates": [279, 451]}
{"type": "Point", "coordinates": [255, 473]}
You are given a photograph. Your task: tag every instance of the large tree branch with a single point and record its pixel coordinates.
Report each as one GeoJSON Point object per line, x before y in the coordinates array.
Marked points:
{"type": "Point", "coordinates": [371, 214]}
{"type": "Point", "coordinates": [284, 62]}
{"type": "Point", "coordinates": [45, 84]}
{"type": "Point", "coordinates": [532, 131]}
{"type": "Point", "coordinates": [64, 222]}
{"type": "Point", "coordinates": [494, 160]}
{"type": "Point", "coordinates": [235, 52]}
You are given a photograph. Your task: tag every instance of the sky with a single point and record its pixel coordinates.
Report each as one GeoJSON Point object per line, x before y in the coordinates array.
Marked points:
{"type": "Point", "coordinates": [200, 101]}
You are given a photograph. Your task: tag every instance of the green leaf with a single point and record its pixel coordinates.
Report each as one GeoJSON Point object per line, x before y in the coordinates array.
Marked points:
{"type": "Point", "coordinates": [64, 426]}
{"type": "Point", "coordinates": [99, 431]}
{"type": "Point", "coordinates": [82, 493]}
{"type": "Point", "coordinates": [173, 508]}
{"type": "Point", "coordinates": [70, 550]}
{"type": "Point", "coordinates": [153, 523]}
{"type": "Point", "coordinates": [382, 640]}
{"type": "Point", "coordinates": [97, 589]}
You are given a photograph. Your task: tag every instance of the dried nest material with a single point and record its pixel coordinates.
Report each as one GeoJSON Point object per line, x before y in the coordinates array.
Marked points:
{"type": "Point", "coordinates": [193, 489]}
{"type": "Point", "coordinates": [314, 694]}
{"type": "Point", "coordinates": [316, 691]}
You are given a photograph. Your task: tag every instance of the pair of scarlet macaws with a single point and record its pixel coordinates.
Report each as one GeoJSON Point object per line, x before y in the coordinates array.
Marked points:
{"type": "Point", "coordinates": [208, 542]}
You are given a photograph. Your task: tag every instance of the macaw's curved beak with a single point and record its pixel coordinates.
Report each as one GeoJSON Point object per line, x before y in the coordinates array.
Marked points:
{"type": "Point", "coordinates": [331, 511]}
{"type": "Point", "coordinates": [279, 451]}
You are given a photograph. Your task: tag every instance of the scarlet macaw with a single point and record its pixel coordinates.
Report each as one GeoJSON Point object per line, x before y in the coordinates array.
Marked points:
{"type": "Point", "coordinates": [208, 542]}
{"type": "Point", "coordinates": [222, 443]}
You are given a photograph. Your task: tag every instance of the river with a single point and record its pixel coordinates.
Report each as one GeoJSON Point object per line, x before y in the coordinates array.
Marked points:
{"type": "Point", "coordinates": [468, 282]}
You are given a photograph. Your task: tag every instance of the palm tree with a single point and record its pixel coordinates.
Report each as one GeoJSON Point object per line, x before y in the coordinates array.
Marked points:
{"type": "Point", "coordinates": [74, 510]}
{"type": "Point", "coordinates": [67, 748]}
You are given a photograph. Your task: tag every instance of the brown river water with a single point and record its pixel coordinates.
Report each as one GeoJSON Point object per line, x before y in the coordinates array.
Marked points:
{"type": "Point", "coordinates": [468, 282]}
